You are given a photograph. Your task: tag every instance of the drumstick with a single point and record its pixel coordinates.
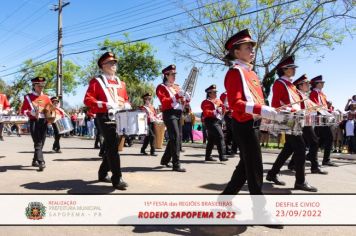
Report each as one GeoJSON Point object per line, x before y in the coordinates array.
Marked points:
{"type": "Point", "coordinates": [291, 104]}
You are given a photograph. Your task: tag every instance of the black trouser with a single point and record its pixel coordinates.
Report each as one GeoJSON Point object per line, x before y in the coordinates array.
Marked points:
{"type": "Point", "coordinates": [351, 143]}
{"type": "Point", "coordinates": [38, 129]}
{"type": "Point", "coordinates": [98, 142]}
{"type": "Point", "coordinates": [215, 136]}
{"type": "Point", "coordinates": [73, 132]}
{"type": "Point", "coordinates": [57, 137]}
{"type": "Point", "coordinates": [312, 140]}
{"type": "Point", "coordinates": [250, 166]}
{"type": "Point", "coordinates": [187, 132]}
{"type": "Point", "coordinates": [150, 138]}
{"type": "Point", "coordinates": [294, 144]}
{"type": "Point", "coordinates": [171, 119]}
{"type": "Point", "coordinates": [1, 128]}
{"type": "Point", "coordinates": [325, 140]}
{"type": "Point", "coordinates": [205, 133]}
{"type": "Point", "coordinates": [229, 140]}
{"type": "Point", "coordinates": [111, 157]}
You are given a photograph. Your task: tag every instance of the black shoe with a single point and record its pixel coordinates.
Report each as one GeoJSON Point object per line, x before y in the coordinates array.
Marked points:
{"type": "Point", "coordinates": [182, 150]}
{"type": "Point", "coordinates": [179, 169]}
{"type": "Point", "coordinates": [144, 152]}
{"type": "Point", "coordinates": [120, 186]}
{"type": "Point", "coordinates": [223, 158]}
{"type": "Point", "coordinates": [1, 138]}
{"type": "Point", "coordinates": [35, 163]}
{"type": "Point", "coordinates": [59, 151]}
{"type": "Point", "coordinates": [41, 166]}
{"type": "Point", "coordinates": [166, 164]}
{"type": "Point", "coordinates": [329, 163]}
{"type": "Point", "coordinates": [153, 154]}
{"type": "Point", "coordinates": [209, 159]}
{"type": "Point", "coordinates": [319, 171]}
{"type": "Point", "coordinates": [228, 153]}
{"type": "Point", "coordinates": [305, 187]}
{"type": "Point", "coordinates": [335, 151]}
{"type": "Point", "coordinates": [291, 167]}
{"type": "Point", "coordinates": [123, 182]}
{"type": "Point", "coordinates": [106, 179]}
{"type": "Point", "coordinates": [96, 147]}
{"type": "Point", "coordinates": [275, 180]}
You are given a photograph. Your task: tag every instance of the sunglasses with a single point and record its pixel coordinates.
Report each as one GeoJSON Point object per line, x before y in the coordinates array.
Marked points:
{"type": "Point", "coordinates": [110, 63]}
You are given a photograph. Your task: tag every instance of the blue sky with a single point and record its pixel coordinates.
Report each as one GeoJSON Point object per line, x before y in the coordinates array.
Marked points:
{"type": "Point", "coordinates": [28, 29]}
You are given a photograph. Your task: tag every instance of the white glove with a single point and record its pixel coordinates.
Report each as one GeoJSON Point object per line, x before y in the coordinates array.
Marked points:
{"type": "Point", "coordinates": [268, 112]}
{"type": "Point", "coordinates": [5, 112]}
{"type": "Point", "coordinates": [219, 110]}
{"type": "Point", "coordinates": [181, 93]}
{"type": "Point", "coordinates": [33, 112]}
{"type": "Point", "coordinates": [110, 105]}
{"type": "Point", "coordinates": [127, 106]}
{"type": "Point", "coordinates": [187, 96]}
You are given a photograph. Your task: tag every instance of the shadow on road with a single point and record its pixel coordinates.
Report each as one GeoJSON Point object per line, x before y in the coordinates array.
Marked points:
{"type": "Point", "coordinates": [72, 185]}
{"type": "Point", "coordinates": [44, 152]}
{"type": "Point", "coordinates": [145, 169]}
{"type": "Point", "coordinates": [80, 159]}
{"type": "Point", "coordinates": [17, 167]}
{"type": "Point", "coordinates": [267, 188]}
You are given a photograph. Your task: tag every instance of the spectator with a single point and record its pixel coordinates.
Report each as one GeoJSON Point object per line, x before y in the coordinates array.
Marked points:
{"type": "Point", "coordinates": [350, 130]}
{"type": "Point", "coordinates": [90, 125]}
{"type": "Point", "coordinates": [189, 120]}
{"type": "Point", "coordinates": [351, 104]}
{"type": "Point", "coordinates": [81, 123]}
{"type": "Point", "coordinates": [74, 119]}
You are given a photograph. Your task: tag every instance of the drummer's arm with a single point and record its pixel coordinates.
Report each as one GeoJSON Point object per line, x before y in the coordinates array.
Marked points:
{"type": "Point", "coordinates": [90, 98]}
{"type": "Point", "coordinates": [6, 105]}
{"type": "Point", "coordinates": [314, 97]}
{"type": "Point", "coordinates": [164, 96]}
{"type": "Point", "coordinates": [25, 108]}
{"type": "Point", "coordinates": [208, 109]}
{"type": "Point", "coordinates": [235, 94]}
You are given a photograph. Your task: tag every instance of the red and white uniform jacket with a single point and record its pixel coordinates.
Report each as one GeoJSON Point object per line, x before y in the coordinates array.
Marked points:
{"type": "Point", "coordinates": [4, 103]}
{"type": "Point", "coordinates": [244, 92]}
{"type": "Point", "coordinates": [213, 108]}
{"type": "Point", "coordinates": [307, 104]}
{"type": "Point", "coordinates": [319, 98]}
{"type": "Point", "coordinates": [103, 91]}
{"type": "Point", "coordinates": [32, 102]}
{"type": "Point", "coordinates": [151, 113]}
{"type": "Point", "coordinates": [224, 100]}
{"type": "Point", "coordinates": [285, 93]}
{"type": "Point", "coordinates": [169, 96]}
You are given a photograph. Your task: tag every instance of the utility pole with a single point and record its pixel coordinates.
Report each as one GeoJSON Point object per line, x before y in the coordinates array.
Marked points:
{"type": "Point", "coordinates": [59, 90]}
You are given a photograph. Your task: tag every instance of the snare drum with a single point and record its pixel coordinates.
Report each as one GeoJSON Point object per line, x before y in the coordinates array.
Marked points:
{"type": "Point", "coordinates": [64, 125]}
{"type": "Point", "coordinates": [131, 122]}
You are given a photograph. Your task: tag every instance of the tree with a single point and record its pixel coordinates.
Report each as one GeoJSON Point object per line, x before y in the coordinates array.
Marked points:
{"type": "Point", "coordinates": [21, 85]}
{"type": "Point", "coordinates": [137, 67]}
{"type": "Point", "coordinates": [282, 28]}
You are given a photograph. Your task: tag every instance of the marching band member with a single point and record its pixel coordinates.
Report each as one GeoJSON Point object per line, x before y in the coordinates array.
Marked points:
{"type": "Point", "coordinates": [323, 132]}
{"type": "Point", "coordinates": [104, 93]}
{"type": "Point", "coordinates": [59, 115]}
{"type": "Point", "coordinates": [302, 84]}
{"type": "Point", "coordinates": [151, 118]}
{"type": "Point", "coordinates": [173, 100]}
{"type": "Point", "coordinates": [4, 109]}
{"type": "Point", "coordinates": [285, 94]}
{"type": "Point", "coordinates": [33, 106]}
{"type": "Point", "coordinates": [245, 98]}
{"type": "Point", "coordinates": [214, 110]}
{"type": "Point", "coordinates": [229, 140]}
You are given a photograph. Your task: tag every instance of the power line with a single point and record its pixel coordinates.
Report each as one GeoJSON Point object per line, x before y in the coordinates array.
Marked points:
{"type": "Point", "coordinates": [173, 32]}
{"type": "Point", "coordinates": [140, 25]}
{"type": "Point", "coordinates": [192, 27]}
{"type": "Point", "coordinates": [14, 12]}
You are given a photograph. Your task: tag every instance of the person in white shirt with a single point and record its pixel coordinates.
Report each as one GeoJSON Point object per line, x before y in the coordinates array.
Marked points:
{"type": "Point", "coordinates": [350, 132]}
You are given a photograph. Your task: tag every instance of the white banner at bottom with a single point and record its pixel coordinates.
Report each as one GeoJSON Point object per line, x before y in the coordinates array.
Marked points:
{"type": "Point", "coordinates": [178, 209]}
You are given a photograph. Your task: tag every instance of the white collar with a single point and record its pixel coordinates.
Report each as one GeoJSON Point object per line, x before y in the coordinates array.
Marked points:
{"type": "Point", "coordinates": [168, 84]}
{"type": "Point", "coordinates": [36, 94]}
{"type": "Point", "coordinates": [118, 85]}
{"type": "Point", "coordinates": [289, 79]}
{"type": "Point", "coordinates": [244, 65]}
{"type": "Point", "coordinates": [318, 90]}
